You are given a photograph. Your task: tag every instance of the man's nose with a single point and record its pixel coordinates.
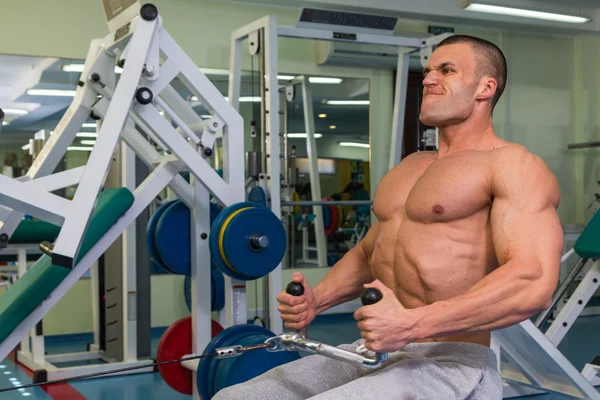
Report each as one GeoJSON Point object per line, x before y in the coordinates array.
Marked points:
{"type": "Point", "coordinates": [431, 79]}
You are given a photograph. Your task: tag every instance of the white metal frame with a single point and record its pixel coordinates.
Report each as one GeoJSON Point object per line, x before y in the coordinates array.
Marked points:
{"type": "Point", "coordinates": [142, 49]}
{"type": "Point", "coordinates": [523, 375]}
{"type": "Point", "coordinates": [268, 29]}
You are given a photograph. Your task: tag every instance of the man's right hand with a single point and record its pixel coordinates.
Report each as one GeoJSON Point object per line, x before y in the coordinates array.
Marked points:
{"type": "Point", "coordinates": [297, 312]}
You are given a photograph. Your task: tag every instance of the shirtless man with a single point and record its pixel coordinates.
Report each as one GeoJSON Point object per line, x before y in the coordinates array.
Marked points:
{"type": "Point", "coordinates": [467, 241]}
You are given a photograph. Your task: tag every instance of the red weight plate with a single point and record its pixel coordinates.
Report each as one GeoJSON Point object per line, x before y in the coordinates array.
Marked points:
{"type": "Point", "coordinates": [175, 343]}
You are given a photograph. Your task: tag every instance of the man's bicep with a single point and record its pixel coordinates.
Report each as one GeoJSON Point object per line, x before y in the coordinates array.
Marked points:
{"type": "Point", "coordinates": [526, 229]}
{"type": "Point", "coordinates": [367, 244]}
{"type": "Point", "coordinates": [527, 236]}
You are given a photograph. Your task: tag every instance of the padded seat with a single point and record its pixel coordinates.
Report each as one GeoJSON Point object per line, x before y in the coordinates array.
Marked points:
{"type": "Point", "coordinates": [28, 292]}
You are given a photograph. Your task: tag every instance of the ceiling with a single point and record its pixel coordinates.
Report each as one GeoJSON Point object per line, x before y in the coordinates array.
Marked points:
{"type": "Point", "coordinates": [447, 11]}
{"type": "Point", "coordinates": [17, 74]}
{"type": "Point", "coordinates": [20, 74]}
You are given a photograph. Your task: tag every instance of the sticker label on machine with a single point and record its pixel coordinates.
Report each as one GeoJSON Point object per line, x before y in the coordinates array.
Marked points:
{"type": "Point", "coordinates": [238, 302]}
{"type": "Point", "coordinates": [112, 8]}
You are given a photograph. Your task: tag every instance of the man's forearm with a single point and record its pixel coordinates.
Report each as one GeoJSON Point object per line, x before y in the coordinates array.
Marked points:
{"type": "Point", "coordinates": [503, 298]}
{"type": "Point", "coordinates": [345, 280]}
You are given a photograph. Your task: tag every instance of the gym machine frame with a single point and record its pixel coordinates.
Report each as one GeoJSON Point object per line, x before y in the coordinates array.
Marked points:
{"type": "Point", "coordinates": [533, 364]}
{"type": "Point", "coordinates": [127, 110]}
{"type": "Point", "coordinates": [262, 36]}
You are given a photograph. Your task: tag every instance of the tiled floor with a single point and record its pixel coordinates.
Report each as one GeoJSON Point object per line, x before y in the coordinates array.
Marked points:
{"type": "Point", "coordinates": [580, 346]}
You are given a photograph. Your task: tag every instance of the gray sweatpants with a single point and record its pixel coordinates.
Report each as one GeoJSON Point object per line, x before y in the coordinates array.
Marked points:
{"type": "Point", "coordinates": [420, 371]}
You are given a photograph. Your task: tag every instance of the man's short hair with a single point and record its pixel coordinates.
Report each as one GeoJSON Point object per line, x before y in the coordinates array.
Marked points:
{"type": "Point", "coordinates": [491, 60]}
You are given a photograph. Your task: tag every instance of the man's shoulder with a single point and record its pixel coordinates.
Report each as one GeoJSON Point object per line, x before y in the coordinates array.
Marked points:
{"type": "Point", "coordinates": [512, 157]}
{"type": "Point", "coordinates": [515, 168]}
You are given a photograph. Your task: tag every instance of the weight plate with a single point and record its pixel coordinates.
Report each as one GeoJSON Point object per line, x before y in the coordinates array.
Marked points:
{"type": "Point", "coordinates": [215, 374]}
{"type": "Point", "coordinates": [150, 230]}
{"type": "Point", "coordinates": [257, 195]}
{"type": "Point", "coordinates": [172, 238]}
{"type": "Point", "coordinates": [217, 291]}
{"type": "Point", "coordinates": [175, 343]}
{"type": "Point", "coordinates": [213, 239]}
{"type": "Point", "coordinates": [230, 241]}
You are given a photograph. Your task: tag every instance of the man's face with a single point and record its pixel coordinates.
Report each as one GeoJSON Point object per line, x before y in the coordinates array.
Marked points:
{"type": "Point", "coordinates": [449, 85]}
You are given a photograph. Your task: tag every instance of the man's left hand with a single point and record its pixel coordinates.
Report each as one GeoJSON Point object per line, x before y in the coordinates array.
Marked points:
{"type": "Point", "coordinates": [387, 325]}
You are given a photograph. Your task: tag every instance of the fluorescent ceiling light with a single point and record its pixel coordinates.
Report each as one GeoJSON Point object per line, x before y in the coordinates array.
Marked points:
{"type": "Point", "coordinates": [72, 67]}
{"type": "Point", "coordinates": [519, 12]}
{"type": "Point", "coordinates": [51, 92]}
{"type": "Point", "coordinates": [354, 144]}
{"type": "Point", "coordinates": [79, 148]}
{"type": "Point", "coordinates": [79, 68]}
{"type": "Point", "coordinates": [313, 79]}
{"type": "Point", "coordinates": [88, 142]}
{"type": "Point", "coordinates": [4, 123]}
{"type": "Point", "coordinates": [15, 111]}
{"type": "Point", "coordinates": [89, 125]}
{"type": "Point", "coordinates": [322, 115]}
{"type": "Point", "coordinates": [316, 79]}
{"type": "Point", "coordinates": [87, 134]}
{"type": "Point", "coordinates": [206, 116]}
{"type": "Point", "coordinates": [302, 135]}
{"type": "Point", "coordinates": [332, 126]}
{"type": "Point", "coordinates": [26, 147]}
{"type": "Point", "coordinates": [348, 102]}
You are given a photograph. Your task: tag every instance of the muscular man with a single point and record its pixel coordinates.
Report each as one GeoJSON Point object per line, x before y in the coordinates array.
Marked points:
{"type": "Point", "coordinates": [467, 241]}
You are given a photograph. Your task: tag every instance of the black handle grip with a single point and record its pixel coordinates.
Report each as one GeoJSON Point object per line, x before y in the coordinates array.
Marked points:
{"type": "Point", "coordinates": [295, 289]}
{"type": "Point", "coordinates": [1, 114]}
{"type": "Point", "coordinates": [370, 296]}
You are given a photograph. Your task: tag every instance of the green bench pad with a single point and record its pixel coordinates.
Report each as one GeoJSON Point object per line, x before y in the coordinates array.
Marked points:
{"type": "Point", "coordinates": [28, 292]}
{"type": "Point", "coordinates": [588, 243]}
{"type": "Point", "coordinates": [34, 232]}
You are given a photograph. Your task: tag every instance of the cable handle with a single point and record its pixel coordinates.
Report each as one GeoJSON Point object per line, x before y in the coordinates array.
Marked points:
{"type": "Point", "coordinates": [297, 289]}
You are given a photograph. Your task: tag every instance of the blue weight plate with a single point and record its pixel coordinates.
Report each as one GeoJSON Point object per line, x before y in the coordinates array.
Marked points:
{"type": "Point", "coordinates": [215, 209]}
{"type": "Point", "coordinates": [248, 334]}
{"type": "Point", "coordinates": [242, 258]}
{"type": "Point", "coordinates": [218, 290]}
{"type": "Point", "coordinates": [252, 364]}
{"type": "Point", "coordinates": [213, 240]}
{"type": "Point", "coordinates": [157, 269]}
{"type": "Point", "coordinates": [206, 366]}
{"type": "Point", "coordinates": [150, 230]}
{"type": "Point", "coordinates": [172, 238]}
{"type": "Point", "coordinates": [257, 195]}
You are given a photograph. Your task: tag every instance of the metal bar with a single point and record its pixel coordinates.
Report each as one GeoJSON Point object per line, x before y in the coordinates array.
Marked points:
{"type": "Point", "coordinates": [561, 291]}
{"type": "Point", "coordinates": [272, 130]}
{"type": "Point", "coordinates": [315, 182]}
{"type": "Point", "coordinates": [575, 305]}
{"type": "Point", "coordinates": [584, 145]}
{"type": "Point", "coordinates": [400, 92]}
{"type": "Point", "coordinates": [327, 203]}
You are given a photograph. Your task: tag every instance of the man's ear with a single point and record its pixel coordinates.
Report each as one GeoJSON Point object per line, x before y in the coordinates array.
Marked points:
{"type": "Point", "coordinates": [487, 88]}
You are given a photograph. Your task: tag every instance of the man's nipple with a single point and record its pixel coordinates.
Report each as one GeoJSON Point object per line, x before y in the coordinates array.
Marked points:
{"type": "Point", "coordinates": [438, 210]}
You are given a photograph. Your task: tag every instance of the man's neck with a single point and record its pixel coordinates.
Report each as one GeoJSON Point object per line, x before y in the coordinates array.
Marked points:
{"type": "Point", "coordinates": [468, 135]}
